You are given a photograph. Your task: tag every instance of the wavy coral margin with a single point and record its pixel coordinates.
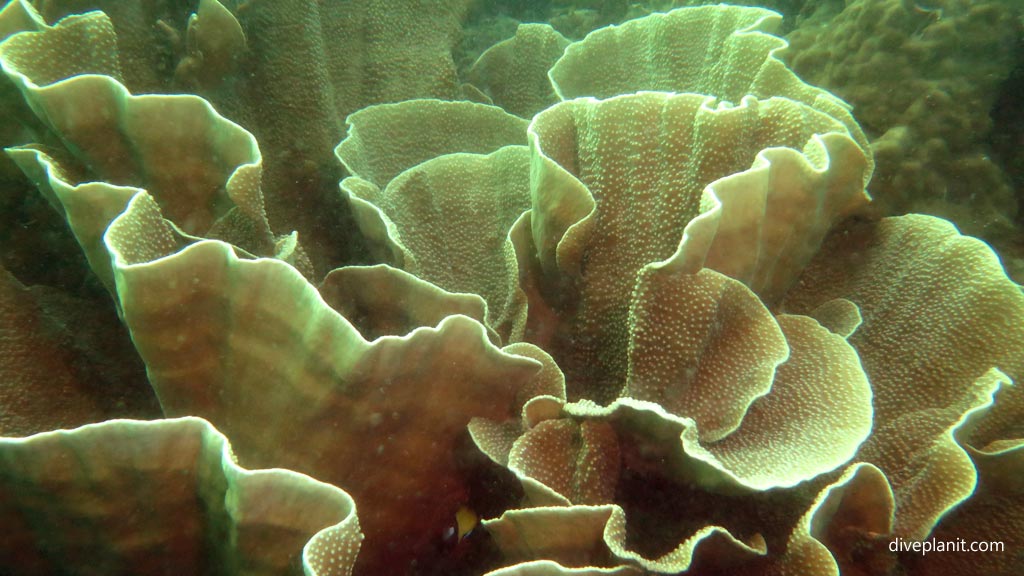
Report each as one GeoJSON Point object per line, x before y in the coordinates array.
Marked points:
{"type": "Point", "coordinates": [635, 66]}
{"type": "Point", "coordinates": [252, 346]}
{"type": "Point", "coordinates": [99, 457]}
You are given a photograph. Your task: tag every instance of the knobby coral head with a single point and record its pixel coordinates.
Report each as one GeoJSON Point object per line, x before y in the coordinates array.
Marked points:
{"type": "Point", "coordinates": [636, 316]}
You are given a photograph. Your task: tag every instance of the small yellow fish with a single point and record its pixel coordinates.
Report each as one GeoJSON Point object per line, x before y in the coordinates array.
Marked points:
{"type": "Point", "coordinates": [465, 521]}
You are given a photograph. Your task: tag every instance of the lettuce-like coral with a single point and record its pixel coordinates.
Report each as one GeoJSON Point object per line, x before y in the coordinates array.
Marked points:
{"type": "Point", "coordinates": [514, 72]}
{"type": "Point", "coordinates": [292, 90]}
{"type": "Point", "coordinates": [609, 199]}
{"type": "Point", "coordinates": [298, 386]}
{"type": "Point", "coordinates": [425, 209]}
{"type": "Point", "coordinates": [923, 290]}
{"type": "Point", "coordinates": [133, 497]}
{"type": "Point", "coordinates": [205, 170]}
{"type": "Point", "coordinates": [656, 307]}
{"type": "Point", "coordinates": [61, 363]}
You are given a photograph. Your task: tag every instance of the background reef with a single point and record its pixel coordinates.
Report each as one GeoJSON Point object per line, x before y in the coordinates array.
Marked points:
{"type": "Point", "coordinates": [466, 287]}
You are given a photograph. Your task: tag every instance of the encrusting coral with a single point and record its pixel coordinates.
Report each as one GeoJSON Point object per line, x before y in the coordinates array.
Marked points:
{"type": "Point", "coordinates": [923, 77]}
{"type": "Point", "coordinates": [641, 319]}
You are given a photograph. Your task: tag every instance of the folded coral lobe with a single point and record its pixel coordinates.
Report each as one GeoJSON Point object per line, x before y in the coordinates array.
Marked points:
{"type": "Point", "coordinates": [942, 330]}
{"type": "Point", "coordinates": [616, 182]}
{"type": "Point", "coordinates": [163, 497]}
{"type": "Point", "coordinates": [253, 347]}
{"type": "Point", "coordinates": [653, 205]}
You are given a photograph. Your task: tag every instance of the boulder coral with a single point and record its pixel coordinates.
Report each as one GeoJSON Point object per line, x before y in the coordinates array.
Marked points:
{"type": "Point", "coordinates": [631, 308]}
{"type": "Point", "coordinates": [923, 77]}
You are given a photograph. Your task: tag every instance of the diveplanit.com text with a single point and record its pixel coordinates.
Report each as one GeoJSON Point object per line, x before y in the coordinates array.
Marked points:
{"type": "Point", "coordinates": [933, 545]}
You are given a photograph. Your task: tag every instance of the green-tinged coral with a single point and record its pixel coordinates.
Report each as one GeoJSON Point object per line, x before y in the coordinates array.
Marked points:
{"type": "Point", "coordinates": [385, 140]}
{"type": "Point", "coordinates": [448, 221]}
{"type": "Point", "coordinates": [204, 170]}
{"type": "Point", "coordinates": [806, 414]}
{"type": "Point", "coordinates": [691, 332]}
{"type": "Point", "coordinates": [18, 16]}
{"type": "Point", "coordinates": [514, 73]}
{"type": "Point", "coordinates": [38, 58]}
{"type": "Point", "coordinates": [385, 301]}
{"type": "Point", "coordinates": [923, 78]}
{"type": "Point", "coordinates": [911, 318]}
{"type": "Point", "coordinates": [87, 213]}
{"type": "Point", "coordinates": [763, 225]}
{"type": "Point", "coordinates": [548, 568]}
{"type": "Point", "coordinates": [595, 536]}
{"type": "Point", "coordinates": [609, 198]}
{"type": "Point", "coordinates": [132, 497]}
{"type": "Point", "coordinates": [309, 65]}
{"type": "Point", "coordinates": [724, 51]}
{"type": "Point", "coordinates": [993, 517]}
{"type": "Point", "coordinates": [654, 327]}
{"type": "Point", "coordinates": [146, 39]}
{"type": "Point", "coordinates": [577, 461]}
{"type": "Point", "coordinates": [292, 90]}
{"type": "Point", "coordinates": [938, 313]}
{"type": "Point", "coordinates": [845, 531]}
{"type": "Point", "coordinates": [252, 346]}
{"type": "Point", "coordinates": [15, 16]}
{"type": "Point", "coordinates": [144, 142]}
{"type": "Point", "coordinates": [215, 45]}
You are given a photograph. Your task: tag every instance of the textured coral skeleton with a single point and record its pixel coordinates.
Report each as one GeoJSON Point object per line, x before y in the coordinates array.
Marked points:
{"type": "Point", "coordinates": [625, 297]}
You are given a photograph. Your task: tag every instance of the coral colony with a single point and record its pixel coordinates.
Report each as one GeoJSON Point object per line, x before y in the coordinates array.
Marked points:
{"type": "Point", "coordinates": [621, 304]}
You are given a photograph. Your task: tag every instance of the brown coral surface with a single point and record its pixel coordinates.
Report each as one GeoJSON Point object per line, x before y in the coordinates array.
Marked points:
{"type": "Point", "coordinates": [615, 304]}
